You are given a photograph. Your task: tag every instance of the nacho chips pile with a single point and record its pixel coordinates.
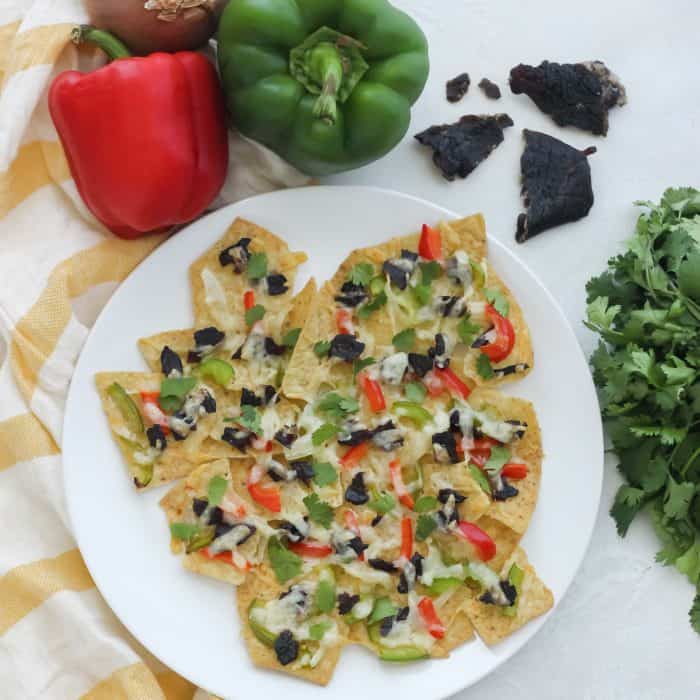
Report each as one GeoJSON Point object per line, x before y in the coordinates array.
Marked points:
{"type": "Point", "coordinates": [345, 459]}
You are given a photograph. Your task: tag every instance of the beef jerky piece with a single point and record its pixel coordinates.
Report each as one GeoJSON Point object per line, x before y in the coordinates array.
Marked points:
{"type": "Point", "coordinates": [490, 89]}
{"type": "Point", "coordinates": [457, 88]}
{"type": "Point", "coordinates": [576, 94]}
{"type": "Point", "coordinates": [458, 148]}
{"type": "Point", "coordinates": [556, 184]}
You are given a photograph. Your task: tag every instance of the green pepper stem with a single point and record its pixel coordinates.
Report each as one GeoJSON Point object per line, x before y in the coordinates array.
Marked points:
{"type": "Point", "coordinates": [325, 63]}
{"type": "Point", "coordinates": [113, 47]}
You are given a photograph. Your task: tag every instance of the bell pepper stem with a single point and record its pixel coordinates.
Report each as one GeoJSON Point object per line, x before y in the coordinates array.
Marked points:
{"type": "Point", "coordinates": [326, 64]}
{"type": "Point", "coordinates": [113, 47]}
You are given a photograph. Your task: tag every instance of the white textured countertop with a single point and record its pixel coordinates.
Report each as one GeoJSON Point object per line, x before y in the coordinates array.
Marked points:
{"type": "Point", "coordinates": [622, 631]}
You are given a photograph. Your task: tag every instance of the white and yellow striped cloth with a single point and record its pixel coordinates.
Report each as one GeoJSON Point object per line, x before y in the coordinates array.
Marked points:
{"type": "Point", "coordinates": [58, 638]}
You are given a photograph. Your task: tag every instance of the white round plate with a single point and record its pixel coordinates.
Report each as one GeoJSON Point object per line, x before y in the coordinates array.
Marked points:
{"type": "Point", "coordinates": [190, 622]}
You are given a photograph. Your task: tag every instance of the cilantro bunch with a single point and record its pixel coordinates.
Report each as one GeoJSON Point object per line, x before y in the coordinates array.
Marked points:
{"type": "Point", "coordinates": [646, 309]}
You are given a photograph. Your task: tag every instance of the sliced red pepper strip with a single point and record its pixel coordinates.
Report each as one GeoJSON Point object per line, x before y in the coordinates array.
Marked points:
{"type": "Point", "coordinates": [372, 390]}
{"type": "Point", "coordinates": [430, 618]}
{"type": "Point", "coordinates": [406, 538]}
{"type": "Point", "coordinates": [312, 549]}
{"type": "Point", "coordinates": [153, 411]}
{"type": "Point", "coordinates": [343, 322]}
{"type": "Point", "coordinates": [267, 496]}
{"type": "Point", "coordinates": [430, 244]}
{"type": "Point", "coordinates": [501, 347]}
{"type": "Point", "coordinates": [248, 299]}
{"type": "Point", "coordinates": [354, 455]}
{"type": "Point", "coordinates": [433, 383]}
{"type": "Point", "coordinates": [484, 545]}
{"type": "Point", "coordinates": [481, 451]}
{"type": "Point", "coordinates": [511, 470]}
{"type": "Point", "coordinates": [238, 561]}
{"type": "Point", "coordinates": [400, 489]}
{"type": "Point", "coordinates": [352, 524]}
{"type": "Point", "coordinates": [453, 382]}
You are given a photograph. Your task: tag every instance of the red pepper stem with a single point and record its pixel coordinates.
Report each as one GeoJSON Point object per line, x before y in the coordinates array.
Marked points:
{"type": "Point", "coordinates": [113, 47]}
{"type": "Point", "coordinates": [325, 62]}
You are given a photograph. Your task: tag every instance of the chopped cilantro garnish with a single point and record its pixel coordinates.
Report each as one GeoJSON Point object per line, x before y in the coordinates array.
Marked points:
{"type": "Point", "coordinates": [468, 331]}
{"type": "Point", "coordinates": [257, 266]}
{"type": "Point", "coordinates": [284, 563]}
{"type": "Point", "coordinates": [323, 434]}
{"type": "Point", "coordinates": [290, 338]}
{"type": "Point", "coordinates": [216, 489]}
{"type": "Point", "coordinates": [173, 391]}
{"type": "Point", "coordinates": [421, 293]}
{"type": "Point", "coordinates": [319, 511]}
{"type": "Point", "coordinates": [325, 596]}
{"type": "Point", "coordinates": [484, 367]}
{"type": "Point", "coordinates": [254, 314]}
{"type": "Point", "coordinates": [415, 391]}
{"type": "Point", "coordinates": [425, 504]}
{"type": "Point", "coordinates": [368, 309]}
{"type": "Point", "coordinates": [430, 271]}
{"type": "Point", "coordinates": [324, 474]}
{"type": "Point", "coordinates": [338, 407]}
{"type": "Point", "coordinates": [499, 456]}
{"type": "Point", "coordinates": [383, 503]}
{"type": "Point", "coordinates": [183, 531]}
{"type": "Point", "coordinates": [498, 300]}
{"type": "Point", "coordinates": [362, 273]}
{"type": "Point", "coordinates": [359, 365]}
{"type": "Point", "coordinates": [250, 419]}
{"type": "Point", "coordinates": [322, 348]}
{"type": "Point", "coordinates": [424, 527]}
{"type": "Point", "coordinates": [404, 340]}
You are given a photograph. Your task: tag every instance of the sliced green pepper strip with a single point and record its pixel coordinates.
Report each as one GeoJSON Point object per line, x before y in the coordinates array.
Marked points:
{"type": "Point", "coordinates": [127, 407]}
{"type": "Point", "coordinates": [396, 654]}
{"type": "Point", "coordinates": [515, 578]}
{"type": "Point", "coordinates": [441, 585]}
{"type": "Point", "coordinates": [261, 633]}
{"type": "Point", "coordinates": [413, 411]}
{"type": "Point", "coordinates": [218, 371]}
{"type": "Point", "coordinates": [478, 276]}
{"type": "Point", "coordinates": [325, 591]}
{"type": "Point", "coordinates": [141, 473]}
{"type": "Point", "coordinates": [201, 539]}
{"type": "Point", "coordinates": [376, 285]}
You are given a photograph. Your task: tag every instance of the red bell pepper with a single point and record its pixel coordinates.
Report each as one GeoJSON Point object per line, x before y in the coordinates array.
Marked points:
{"type": "Point", "coordinates": [267, 496]}
{"type": "Point", "coordinates": [311, 549]}
{"type": "Point", "coordinates": [501, 347]}
{"type": "Point", "coordinates": [430, 244]}
{"type": "Point", "coordinates": [430, 618]}
{"type": "Point", "coordinates": [400, 489]}
{"type": "Point", "coordinates": [481, 451]}
{"type": "Point", "coordinates": [434, 384]}
{"type": "Point", "coordinates": [248, 299]}
{"type": "Point", "coordinates": [343, 322]}
{"type": "Point", "coordinates": [145, 138]}
{"type": "Point", "coordinates": [354, 455]}
{"type": "Point", "coordinates": [483, 544]}
{"type": "Point", "coordinates": [232, 558]}
{"type": "Point", "coordinates": [514, 471]}
{"type": "Point", "coordinates": [453, 382]}
{"type": "Point", "coordinates": [372, 390]}
{"type": "Point", "coordinates": [406, 538]}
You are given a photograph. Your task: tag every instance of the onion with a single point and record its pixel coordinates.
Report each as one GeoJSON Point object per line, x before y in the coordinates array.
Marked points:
{"type": "Point", "coordinates": [146, 26]}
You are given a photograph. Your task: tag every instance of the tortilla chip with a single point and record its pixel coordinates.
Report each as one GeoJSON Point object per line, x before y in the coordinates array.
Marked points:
{"type": "Point", "coordinates": [455, 619]}
{"type": "Point", "coordinates": [534, 600]}
{"type": "Point", "coordinates": [177, 505]}
{"type": "Point", "coordinates": [461, 480]}
{"type": "Point", "coordinates": [179, 457]}
{"type": "Point", "coordinates": [262, 584]}
{"type": "Point", "coordinates": [516, 512]}
{"type": "Point", "coordinates": [225, 309]}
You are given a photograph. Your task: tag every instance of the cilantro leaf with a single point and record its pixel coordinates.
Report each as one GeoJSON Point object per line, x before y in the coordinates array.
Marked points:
{"type": "Point", "coordinates": [324, 474]}
{"type": "Point", "coordinates": [430, 271]}
{"type": "Point", "coordinates": [628, 502]}
{"type": "Point", "coordinates": [484, 367]}
{"type": "Point", "coordinates": [689, 563]}
{"type": "Point", "coordinates": [250, 419]}
{"type": "Point", "coordinates": [254, 314]}
{"type": "Point", "coordinates": [366, 310]}
{"type": "Point", "coordinates": [323, 434]}
{"type": "Point", "coordinates": [257, 266]}
{"type": "Point", "coordinates": [216, 489]}
{"type": "Point", "coordinates": [499, 456]}
{"type": "Point", "coordinates": [383, 503]}
{"type": "Point", "coordinates": [677, 499]}
{"type": "Point", "coordinates": [694, 613]}
{"type": "Point", "coordinates": [362, 273]}
{"type": "Point", "coordinates": [319, 511]}
{"type": "Point", "coordinates": [415, 391]}
{"type": "Point", "coordinates": [173, 391]}
{"type": "Point", "coordinates": [404, 340]}
{"type": "Point", "coordinates": [359, 365]}
{"type": "Point", "coordinates": [425, 504]}
{"type": "Point", "coordinates": [424, 527]}
{"type": "Point", "coordinates": [337, 406]}
{"type": "Point", "coordinates": [322, 348]}
{"type": "Point", "coordinates": [290, 338]}
{"type": "Point", "coordinates": [498, 300]}
{"type": "Point", "coordinates": [284, 563]}
{"type": "Point", "coordinates": [421, 293]}
{"type": "Point", "coordinates": [468, 331]}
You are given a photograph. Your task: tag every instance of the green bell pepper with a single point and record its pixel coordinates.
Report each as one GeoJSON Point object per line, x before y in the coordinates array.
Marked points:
{"type": "Point", "coordinates": [217, 370]}
{"type": "Point", "coordinates": [413, 411]}
{"type": "Point", "coordinates": [399, 654]}
{"type": "Point", "coordinates": [515, 578]}
{"type": "Point", "coordinates": [262, 633]}
{"type": "Point", "coordinates": [326, 84]}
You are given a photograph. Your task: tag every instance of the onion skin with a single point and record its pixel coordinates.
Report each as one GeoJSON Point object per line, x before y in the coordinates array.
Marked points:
{"type": "Point", "coordinates": [144, 33]}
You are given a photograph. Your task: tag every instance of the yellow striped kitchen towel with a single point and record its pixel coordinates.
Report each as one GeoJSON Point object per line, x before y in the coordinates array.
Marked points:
{"type": "Point", "coordinates": [58, 266]}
